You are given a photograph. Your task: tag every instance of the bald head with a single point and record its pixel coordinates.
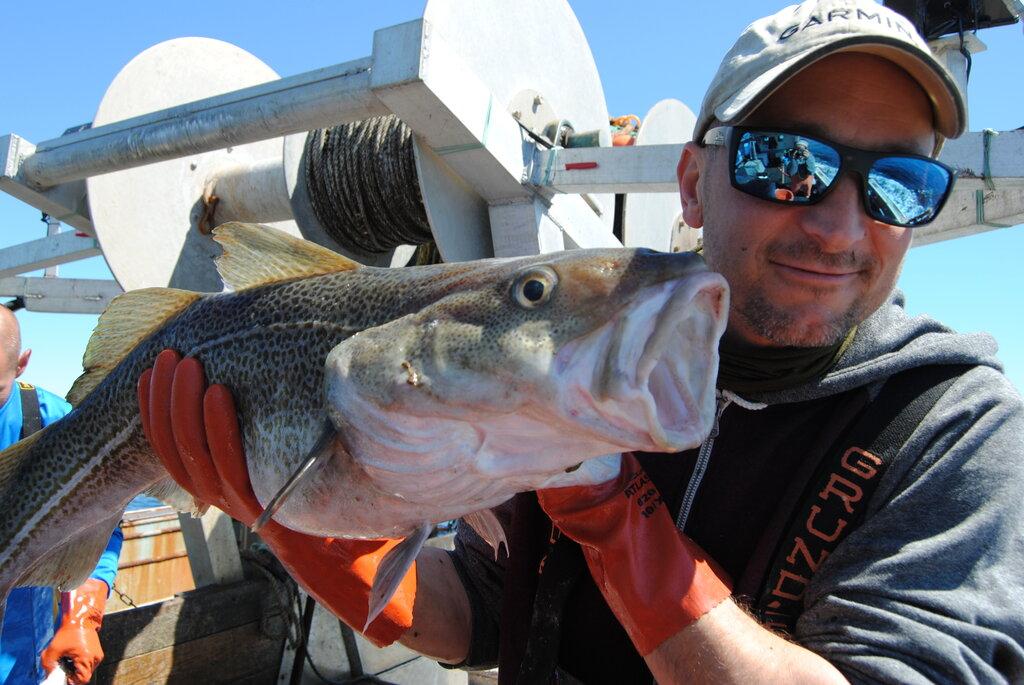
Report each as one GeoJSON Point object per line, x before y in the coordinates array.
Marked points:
{"type": "Point", "coordinates": [12, 360]}
{"type": "Point", "coordinates": [10, 340]}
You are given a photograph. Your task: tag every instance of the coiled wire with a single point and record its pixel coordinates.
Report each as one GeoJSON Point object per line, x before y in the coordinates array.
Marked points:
{"type": "Point", "coordinates": [363, 185]}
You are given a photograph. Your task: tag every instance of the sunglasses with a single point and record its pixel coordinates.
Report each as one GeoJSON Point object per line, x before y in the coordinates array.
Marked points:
{"type": "Point", "coordinates": [790, 168]}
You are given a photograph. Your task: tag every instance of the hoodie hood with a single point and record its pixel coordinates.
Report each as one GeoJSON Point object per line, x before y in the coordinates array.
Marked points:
{"type": "Point", "coordinates": [888, 342]}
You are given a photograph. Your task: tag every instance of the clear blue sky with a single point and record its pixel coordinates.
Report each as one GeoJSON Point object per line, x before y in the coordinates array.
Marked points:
{"type": "Point", "coordinates": [60, 56]}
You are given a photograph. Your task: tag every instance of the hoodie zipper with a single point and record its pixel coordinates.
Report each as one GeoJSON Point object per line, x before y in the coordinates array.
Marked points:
{"type": "Point", "coordinates": [703, 457]}
{"type": "Point", "coordinates": [723, 400]}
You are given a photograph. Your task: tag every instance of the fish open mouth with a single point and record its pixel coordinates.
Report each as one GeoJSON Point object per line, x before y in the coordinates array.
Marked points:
{"type": "Point", "coordinates": [658, 380]}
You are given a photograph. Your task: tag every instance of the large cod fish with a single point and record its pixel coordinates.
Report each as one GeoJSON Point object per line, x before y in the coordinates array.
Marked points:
{"type": "Point", "coordinates": [435, 392]}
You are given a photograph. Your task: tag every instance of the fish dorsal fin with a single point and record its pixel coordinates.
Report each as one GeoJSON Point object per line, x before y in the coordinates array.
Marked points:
{"type": "Point", "coordinates": [255, 254]}
{"type": "Point", "coordinates": [129, 319]}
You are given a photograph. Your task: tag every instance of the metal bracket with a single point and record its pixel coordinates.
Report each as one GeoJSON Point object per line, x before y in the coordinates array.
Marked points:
{"type": "Point", "coordinates": [59, 248]}
{"type": "Point", "coordinates": [633, 169]}
{"type": "Point", "coordinates": [65, 202]}
{"type": "Point", "coordinates": [71, 295]}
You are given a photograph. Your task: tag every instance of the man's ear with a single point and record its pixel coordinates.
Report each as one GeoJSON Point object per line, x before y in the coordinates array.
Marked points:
{"type": "Point", "coordinates": [22, 362]}
{"type": "Point", "coordinates": [688, 173]}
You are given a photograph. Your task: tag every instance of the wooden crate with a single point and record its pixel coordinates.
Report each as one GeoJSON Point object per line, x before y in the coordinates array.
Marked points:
{"type": "Point", "coordinates": [209, 635]}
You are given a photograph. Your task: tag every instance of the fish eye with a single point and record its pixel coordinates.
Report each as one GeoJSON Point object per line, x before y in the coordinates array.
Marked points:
{"type": "Point", "coordinates": [534, 287]}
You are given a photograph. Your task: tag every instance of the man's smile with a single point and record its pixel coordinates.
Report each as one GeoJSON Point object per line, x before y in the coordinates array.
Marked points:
{"type": "Point", "coordinates": [814, 274]}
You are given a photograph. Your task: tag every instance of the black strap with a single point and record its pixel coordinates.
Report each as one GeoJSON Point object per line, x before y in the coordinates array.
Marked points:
{"type": "Point", "coordinates": [563, 566]}
{"type": "Point", "coordinates": [31, 417]}
{"type": "Point", "coordinates": [833, 502]}
{"type": "Point", "coordinates": [529, 541]}
{"type": "Point", "coordinates": [541, 574]}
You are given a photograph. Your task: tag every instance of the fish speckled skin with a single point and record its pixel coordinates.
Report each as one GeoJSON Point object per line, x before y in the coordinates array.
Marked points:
{"type": "Point", "coordinates": [447, 340]}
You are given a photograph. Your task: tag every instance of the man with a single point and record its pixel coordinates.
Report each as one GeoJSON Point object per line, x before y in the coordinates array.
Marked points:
{"type": "Point", "coordinates": [27, 652]}
{"type": "Point", "coordinates": [926, 587]}
{"type": "Point", "coordinates": [801, 169]}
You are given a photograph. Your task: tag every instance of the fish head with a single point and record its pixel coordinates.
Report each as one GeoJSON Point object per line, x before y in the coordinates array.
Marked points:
{"type": "Point", "coordinates": [521, 369]}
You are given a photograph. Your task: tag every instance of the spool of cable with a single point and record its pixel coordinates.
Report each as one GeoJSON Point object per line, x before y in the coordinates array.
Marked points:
{"type": "Point", "coordinates": [363, 185]}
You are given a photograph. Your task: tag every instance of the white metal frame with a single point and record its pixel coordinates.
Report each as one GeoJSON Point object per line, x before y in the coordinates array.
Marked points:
{"type": "Point", "coordinates": [413, 73]}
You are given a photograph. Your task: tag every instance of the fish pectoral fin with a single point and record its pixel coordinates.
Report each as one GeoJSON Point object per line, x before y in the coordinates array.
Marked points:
{"type": "Point", "coordinates": [69, 564]}
{"type": "Point", "coordinates": [255, 254]}
{"type": "Point", "coordinates": [487, 526]}
{"type": "Point", "coordinates": [130, 318]}
{"type": "Point", "coordinates": [318, 456]}
{"type": "Point", "coordinates": [392, 570]}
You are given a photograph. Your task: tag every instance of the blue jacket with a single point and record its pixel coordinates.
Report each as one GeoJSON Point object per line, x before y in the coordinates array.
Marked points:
{"type": "Point", "coordinates": [29, 616]}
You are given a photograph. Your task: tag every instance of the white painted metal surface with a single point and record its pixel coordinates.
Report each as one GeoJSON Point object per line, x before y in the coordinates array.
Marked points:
{"type": "Point", "coordinates": [947, 52]}
{"type": "Point", "coordinates": [448, 76]}
{"type": "Point", "coordinates": [968, 212]}
{"type": "Point", "coordinates": [146, 217]}
{"type": "Point", "coordinates": [66, 202]}
{"type": "Point", "coordinates": [70, 295]}
{"type": "Point", "coordinates": [654, 219]}
{"type": "Point", "coordinates": [215, 118]}
{"type": "Point", "coordinates": [1005, 155]}
{"type": "Point", "coordinates": [456, 76]}
{"type": "Point", "coordinates": [643, 169]}
{"type": "Point", "coordinates": [60, 248]}
{"type": "Point", "coordinates": [506, 48]}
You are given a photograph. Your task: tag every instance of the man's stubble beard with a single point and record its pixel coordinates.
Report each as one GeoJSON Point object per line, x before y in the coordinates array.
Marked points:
{"type": "Point", "coordinates": [783, 328]}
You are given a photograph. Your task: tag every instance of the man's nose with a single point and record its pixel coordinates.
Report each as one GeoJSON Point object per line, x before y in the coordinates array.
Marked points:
{"type": "Point", "coordinates": [838, 222]}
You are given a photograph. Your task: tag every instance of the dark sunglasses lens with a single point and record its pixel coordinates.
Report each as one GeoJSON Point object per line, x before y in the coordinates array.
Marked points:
{"type": "Point", "coordinates": [784, 167]}
{"type": "Point", "coordinates": [906, 191]}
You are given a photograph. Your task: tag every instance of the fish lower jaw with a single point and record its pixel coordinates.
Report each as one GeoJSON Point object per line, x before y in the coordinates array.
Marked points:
{"type": "Point", "coordinates": [679, 403]}
{"type": "Point", "coordinates": [670, 388]}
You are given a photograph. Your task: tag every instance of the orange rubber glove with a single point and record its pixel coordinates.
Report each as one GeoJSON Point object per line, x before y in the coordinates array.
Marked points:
{"type": "Point", "coordinates": [655, 579]}
{"type": "Point", "coordinates": [76, 642]}
{"type": "Point", "coordinates": [195, 432]}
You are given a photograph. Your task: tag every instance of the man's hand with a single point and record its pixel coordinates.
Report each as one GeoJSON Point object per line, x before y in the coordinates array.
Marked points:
{"type": "Point", "coordinates": [659, 583]}
{"type": "Point", "coordinates": [654, 578]}
{"type": "Point", "coordinates": [76, 642]}
{"type": "Point", "coordinates": [195, 432]}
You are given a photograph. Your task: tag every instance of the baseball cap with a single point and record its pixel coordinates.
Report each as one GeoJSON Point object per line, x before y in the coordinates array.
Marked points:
{"type": "Point", "coordinates": [772, 50]}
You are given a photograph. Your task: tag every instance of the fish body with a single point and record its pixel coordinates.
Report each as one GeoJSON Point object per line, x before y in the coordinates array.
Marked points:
{"type": "Point", "coordinates": [443, 389]}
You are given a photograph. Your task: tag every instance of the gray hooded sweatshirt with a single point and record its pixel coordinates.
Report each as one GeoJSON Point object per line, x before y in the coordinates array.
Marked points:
{"type": "Point", "coordinates": [930, 586]}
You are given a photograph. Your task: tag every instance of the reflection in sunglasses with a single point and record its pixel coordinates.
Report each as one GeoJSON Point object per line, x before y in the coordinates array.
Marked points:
{"type": "Point", "coordinates": [899, 189]}
{"type": "Point", "coordinates": [781, 166]}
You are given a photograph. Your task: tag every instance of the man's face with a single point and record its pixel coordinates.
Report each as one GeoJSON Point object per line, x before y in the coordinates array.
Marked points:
{"type": "Point", "coordinates": [804, 275]}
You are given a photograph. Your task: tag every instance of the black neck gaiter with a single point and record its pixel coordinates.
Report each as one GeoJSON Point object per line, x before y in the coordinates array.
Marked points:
{"type": "Point", "coordinates": [745, 368]}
